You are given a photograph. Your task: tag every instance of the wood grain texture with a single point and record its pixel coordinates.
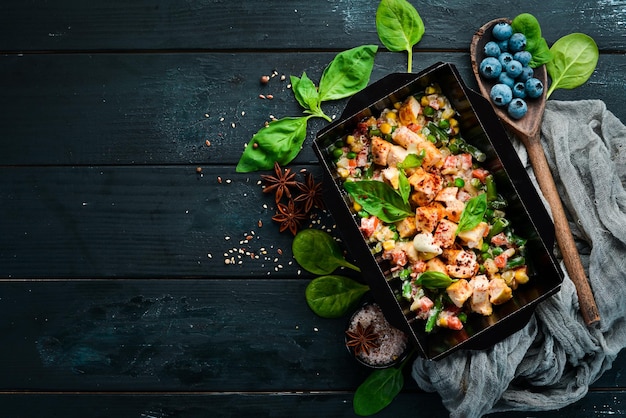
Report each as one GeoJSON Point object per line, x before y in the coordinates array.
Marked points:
{"type": "Point", "coordinates": [115, 297]}
{"type": "Point", "coordinates": [152, 108]}
{"type": "Point", "coordinates": [150, 221]}
{"type": "Point", "coordinates": [335, 24]}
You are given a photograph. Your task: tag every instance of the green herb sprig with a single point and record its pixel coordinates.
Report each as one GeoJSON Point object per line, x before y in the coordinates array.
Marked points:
{"type": "Point", "coordinates": [281, 141]}
{"type": "Point", "coordinates": [399, 27]}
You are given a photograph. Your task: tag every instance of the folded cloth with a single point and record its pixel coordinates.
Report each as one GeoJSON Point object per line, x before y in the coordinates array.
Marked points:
{"type": "Point", "coordinates": [551, 362]}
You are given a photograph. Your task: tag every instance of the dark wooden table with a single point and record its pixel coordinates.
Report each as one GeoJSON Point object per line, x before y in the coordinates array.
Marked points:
{"type": "Point", "coordinates": [133, 285]}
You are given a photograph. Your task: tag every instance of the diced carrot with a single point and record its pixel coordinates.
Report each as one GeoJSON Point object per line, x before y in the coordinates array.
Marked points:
{"type": "Point", "coordinates": [501, 260]}
{"type": "Point", "coordinates": [480, 173]}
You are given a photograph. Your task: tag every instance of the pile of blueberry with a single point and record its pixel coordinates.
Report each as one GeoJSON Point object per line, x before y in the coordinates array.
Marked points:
{"type": "Point", "coordinates": [506, 61]}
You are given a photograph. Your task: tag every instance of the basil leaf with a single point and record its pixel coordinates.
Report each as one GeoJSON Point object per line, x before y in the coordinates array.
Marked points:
{"type": "Point", "coordinates": [535, 43]}
{"type": "Point", "coordinates": [399, 27]}
{"type": "Point", "coordinates": [473, 213]}
{"type": "Point", "coordinates": [333, 296]}
{"type": "Point", "coordinates": [306, 93]}
{"type": "Point", "coordinates": [347, 73]}
{"type": "Point", "coordinates": [379, 199]}
{"type": "Point", "coordinates": [404, 187]}
{"type": "Point", "coordinates": [412, 160]}
{"type": "Point", "coordinates": [317, 252]}
{"type": "Point", "coordinates": [377, 391]}
{"type": "Point", "coordinates": [280, 142]}
{"type": "Point", "coordinates": [574, 59]}
{"type": "Point", "coordinates": [434, 280]}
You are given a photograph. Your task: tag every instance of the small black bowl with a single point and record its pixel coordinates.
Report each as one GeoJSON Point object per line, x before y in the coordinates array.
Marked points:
{"type": "Point", "coordinates": [391, 345]}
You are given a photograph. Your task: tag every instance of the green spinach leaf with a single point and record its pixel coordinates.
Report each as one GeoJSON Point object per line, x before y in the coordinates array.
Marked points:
{"type": "Point", "coordinates": [317, 252]}
{"type": "Point", "coordinates": [280, 142]}
{"type": "Point", "coordinates": [434, 280]}
{"type": "Point", "coordinates": [575, 57]}
{"type": "Point", "coordinates": [399, 27]}
{"type": "Point", "coordinates": [412, 160]}
{"type": "Point", "coordinates": [306, 94]}
{"type": "Point", "coordinates": [333, 296]}
{"type": "Point", "coordinates": [404, 187]}
{"type": "Point", "coordinates": [535, 43]}
{"type": "Point", "coordinates": [473, 213]}
{"type": "Point", "coordinates": [379, 199]}
{"type": "Point", "coordinates": [347, 73]}
{"type": "Point", "coordinates": [378, 390]}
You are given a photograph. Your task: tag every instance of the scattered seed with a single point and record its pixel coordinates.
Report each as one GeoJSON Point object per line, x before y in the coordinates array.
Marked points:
{"type": "Point", "coordinates": [260, 223]}
{"type": "Point", "coordinates": [198, 170]}
{"type": "Point", "coordinates": [206, 115]}
{"type": "Point", "coordinates": [261, 96]}
{"type": "Point", "coordinates": [279, 251]}
{"type": "Point", "coordinates": [270, 96]}
{"type": "Point", "coordinates": [255, 145]}
{"type": "Point", "coordinates": [265, 79]}
{"type": "Point", "coordinates": [232, 125]}
{"type": "Point", "coordinates": [208, 143]}
{"type": "Point", "coordinates": [219, 179]}
{"type": "Point", "coordinates": [282, 77]}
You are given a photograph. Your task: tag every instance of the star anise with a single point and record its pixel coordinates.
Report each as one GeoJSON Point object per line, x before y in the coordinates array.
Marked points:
{"type": "Point", "coordinates": [289, 216]}
{"type": "Point", "coordinates": [280, 183]}
{"type": "Point", "coordinates": [362, 339]}
{"type": "Point", "coordinates": [311, 193]}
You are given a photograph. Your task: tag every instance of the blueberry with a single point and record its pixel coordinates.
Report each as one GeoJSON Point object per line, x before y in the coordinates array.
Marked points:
{"type": "Point", "coordinates": [514, 68]}
{"type": "Point", "coordinates": [492, 49]}
{"type": "Point", "coordinates": [534, 88]}
{"type": "Point", "coordinates": [519, 90]}
{"type": "Point", "coordinates": [490, 67]}
{"type": "Point", "coordinates": [501, 94]}
{"type": "Point", "coordinates": [517, 42]}
{"type": "Point", "coordinates": [502, 31]}
{"type": "Point", "coordinates": [505, 78]}
{"type": "Point", "coordinates": [505, 58]}
{"type": "Point", "coordinates": [523, 56]}
{"type": "Point", "coordinates": [527, 73]}
{"type": "Point", "coordinates": [517, 108]}
{"type": "Point", "coordinates": [504, 45]}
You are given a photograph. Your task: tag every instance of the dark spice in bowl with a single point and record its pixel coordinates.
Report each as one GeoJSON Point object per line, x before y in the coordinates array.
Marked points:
{"type": "Point", "coordinates": [372, 340]}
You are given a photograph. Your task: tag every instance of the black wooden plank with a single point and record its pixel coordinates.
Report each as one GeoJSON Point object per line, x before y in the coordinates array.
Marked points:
{"type": "Point", "coordinates": [170, 335]}
{"type": "Point", "coordinates": [152, 108]}
{"type": "Point", "coordinates": [142, 221]}
{"type": "Point", "coordinates": [288, 405]}
{"type": "Point", "coordinates": [202, 24]}
{"type": "Point", "coordinates": [214, 405]}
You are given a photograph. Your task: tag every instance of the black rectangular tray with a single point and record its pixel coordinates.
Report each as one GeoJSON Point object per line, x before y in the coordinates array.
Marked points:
{"type": "Point", "coordinates": [481, 127]}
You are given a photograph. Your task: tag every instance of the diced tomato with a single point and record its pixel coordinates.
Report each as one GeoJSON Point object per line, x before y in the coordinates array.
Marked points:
{"type": "Point", "coordinates": [369, 225]}
{"type": "Point", "coordinates": [501, 260]}
{"type": "Point", "coordinates": [451, 161]}
{"type": "Point", "coordinates": [480, 173]}
{"type": "Point", "coordinates": [414, 127]}
{"type": "Point", "coordinates": [397, 257]}
{"type": "Point", "coordinates": [499, 239]}
{"type": "Point", "coordinates": [466, 161]}
{"type": "Point", "coordinates": [455, 323]}
{"type": "Point", "coordinates": [425, 304]}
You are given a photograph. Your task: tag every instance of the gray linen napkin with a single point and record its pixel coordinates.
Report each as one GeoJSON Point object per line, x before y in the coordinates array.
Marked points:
{"type": "Point", "coordinates": [552, 361]}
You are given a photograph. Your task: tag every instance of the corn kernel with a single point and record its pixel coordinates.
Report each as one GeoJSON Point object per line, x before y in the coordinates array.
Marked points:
{"type": "Point", "coordinates": [430, 90]}
{"type": "Point", "coordinates": [385, 128]}
{"type": "Point", "coordinates": [389, 245]}
{"type": "Point", "coordinates": [356, 206]}
{"type": "Point", "coordinates": [424, 101]}
{"type": "Point", "coordinates": [453, 122]}
{"type": "Point", "coordinates": [447, 113]}
{"type": "Point", "coordinates": [350, 139]}
{"type": "Point", "coordinates": [508, 276]}
{"type": "Point", "coordinates": [392, 115]}
{"type": "Point", "coordinates": [343, 172]}
{"type": "Point", "coordinates": [521, 275]}
{"type": "Point", "coordinates": [397, 105]}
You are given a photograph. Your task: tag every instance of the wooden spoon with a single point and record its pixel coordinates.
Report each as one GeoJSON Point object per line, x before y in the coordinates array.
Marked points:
{"type": "Point", "coordinates": [528, 130]}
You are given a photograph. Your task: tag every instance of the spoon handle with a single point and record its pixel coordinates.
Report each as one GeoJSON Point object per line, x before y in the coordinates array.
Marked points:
{"type": "Point", "coordinates": [564, 236]}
